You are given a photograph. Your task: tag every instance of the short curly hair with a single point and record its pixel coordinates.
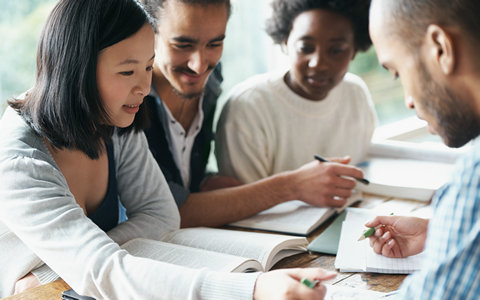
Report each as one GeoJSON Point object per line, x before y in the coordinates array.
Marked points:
{"type": "Point", "coordinates": [284, 13]}
{"type": "Point", "coordinates": [155, 7]}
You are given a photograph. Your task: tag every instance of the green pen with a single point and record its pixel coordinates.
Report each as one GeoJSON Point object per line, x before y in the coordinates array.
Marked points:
{"type": "Point", "coordinates": [310, 284]}
{"type": "Point", "coordinates": [367, 233]}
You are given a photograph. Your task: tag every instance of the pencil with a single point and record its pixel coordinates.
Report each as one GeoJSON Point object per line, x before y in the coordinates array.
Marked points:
{"type": "Point", "coordinates": [367, 233]}
{"type": "Point", "coordinates": [362, 180]}
{"type": "Point", "coordinates": [310, 284]}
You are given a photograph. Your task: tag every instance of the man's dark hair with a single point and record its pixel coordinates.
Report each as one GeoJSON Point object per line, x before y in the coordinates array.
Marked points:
{"type": "Point", "coordinates": [64, 105]}
{"type": "Point", "coordinates": [155, 7]}
{"type": "Point", "coordinates": [285, 12]}
{"type": "Point", "coordinates": [414, 16]}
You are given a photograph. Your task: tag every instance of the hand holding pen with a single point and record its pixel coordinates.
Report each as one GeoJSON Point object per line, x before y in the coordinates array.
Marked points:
{"type": "Point", "coordinates": [324, 184]}
{"type": "Point", "coordinates": [398, 236]}
{"type": "Point", "coordinates": [295, 283]}
{"type": "Point", "coordinates": [321, 159]}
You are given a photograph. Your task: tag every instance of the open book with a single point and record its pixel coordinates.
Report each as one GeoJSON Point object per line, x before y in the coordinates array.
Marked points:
{"type": "Point", "coordinates": [292, 217]}
{"type": "Point", "coordinates": [406, 170]}
{"type": "Point", "coordinates": [358, 256]}
{"type": "Point", "coordinates": [219, 249]}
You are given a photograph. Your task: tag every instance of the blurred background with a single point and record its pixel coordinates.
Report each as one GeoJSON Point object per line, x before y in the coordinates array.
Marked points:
{"type": "Point", "coordinates": [248, 50]}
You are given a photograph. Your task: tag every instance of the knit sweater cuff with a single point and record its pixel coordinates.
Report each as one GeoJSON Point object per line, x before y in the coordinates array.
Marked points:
{"type": "Point", "coordinates": [44, 274]}
{"type": "Point", "coordinates": [228, 286]}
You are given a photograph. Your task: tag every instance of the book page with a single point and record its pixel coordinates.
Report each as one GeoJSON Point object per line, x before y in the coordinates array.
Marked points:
{"type": "Point", "coordinates": [411, 172]}
{"type": "Point", "coordinates": [190, 257]}
{"type": "Point", "coordinates": [397, 149]}
{"type": "Point", "coordinates": [263, 247]}
{"type": "Point", "coordinates": [292, 217]}
{"type": "Point", "coordinates": [406, 172]}
{"type": "Point", "coordinates": [358, 256]}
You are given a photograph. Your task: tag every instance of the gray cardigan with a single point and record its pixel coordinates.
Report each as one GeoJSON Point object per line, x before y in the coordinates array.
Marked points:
{"type": "Point", "coordinates": [43, 229]}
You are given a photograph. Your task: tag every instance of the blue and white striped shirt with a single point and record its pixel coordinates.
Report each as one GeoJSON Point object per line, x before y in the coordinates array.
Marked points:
{"type": "Point", "coordinates": [451, 269]}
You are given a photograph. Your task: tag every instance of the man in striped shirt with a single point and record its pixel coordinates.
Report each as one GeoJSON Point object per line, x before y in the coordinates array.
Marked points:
{"type": "Point", "coordinates": [432, 45]}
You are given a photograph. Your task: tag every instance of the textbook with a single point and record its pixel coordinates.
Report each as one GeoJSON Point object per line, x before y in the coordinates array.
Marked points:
{"type": "Point", "coordinates": [219, 249]}
{"type": "Point", "coordinates": [358, 256]}
{"type": "Point", "coordinates": [405, 170]}
{"type": "Point", "coordinates": [327, 241]}
{"type": "Point", "coordinates": [293, 217]}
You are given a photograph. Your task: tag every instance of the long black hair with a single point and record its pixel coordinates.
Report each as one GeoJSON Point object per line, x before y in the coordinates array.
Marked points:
{"type": "Point", "coordinates": [64, 105]}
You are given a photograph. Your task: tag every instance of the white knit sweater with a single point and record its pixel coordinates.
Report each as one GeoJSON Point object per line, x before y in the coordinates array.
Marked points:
{"type": "Point", "coordinates": [40, 222]}
{"type": "Point", "coordinates": [266, 128]}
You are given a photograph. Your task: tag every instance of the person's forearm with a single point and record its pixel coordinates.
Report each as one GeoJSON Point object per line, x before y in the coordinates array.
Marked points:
{"type": "Point", "coordinates": [219, 207]}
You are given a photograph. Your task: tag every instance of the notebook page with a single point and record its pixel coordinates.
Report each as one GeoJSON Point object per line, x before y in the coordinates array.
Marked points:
{"type": "Point", "coordinates": [335, 292]}
{"type": "Point", "coordinates": [381, 264]}
{"type": "Point", "coordinates": [358, 256]}
{"type": "Point", "coordinates": [349, 258]}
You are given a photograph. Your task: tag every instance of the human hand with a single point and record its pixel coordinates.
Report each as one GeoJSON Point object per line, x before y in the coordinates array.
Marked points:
{"type": "Point", "coordinates": [326, 183]}
{"type": "Point", "coordinates": [216, 182]}
{"type": "Point", "coordinates": [398, 236]}
{"type": "Point", "coordinates": [27, 282]}
{"type": "Point", "coordinates": [285, 284]}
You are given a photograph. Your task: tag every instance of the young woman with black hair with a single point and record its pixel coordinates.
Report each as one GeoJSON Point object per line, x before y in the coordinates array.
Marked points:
{"type": "Point", "coordinates": [72, 146]}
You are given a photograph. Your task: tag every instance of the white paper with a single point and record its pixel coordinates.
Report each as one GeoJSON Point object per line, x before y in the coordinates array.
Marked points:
{"type": "Point", "coordinates": [293, 217]}
{"type": "Point", "coordinates": [335, 292]}
{"type": "Point", "coordinates": [358, 256]}
{"type": "Point", "coordinates": [406, 172]}
{"type": "Point", "coordinates": [264, 247]}
{"type": "Point", "coordinates": [190, 257]}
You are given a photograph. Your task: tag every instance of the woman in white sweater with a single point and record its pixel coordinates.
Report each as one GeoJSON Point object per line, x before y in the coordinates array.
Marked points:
{"type": "Point", "coordinates": [73, 146]}
{"type": "Point", "coordinates": [277, 122]}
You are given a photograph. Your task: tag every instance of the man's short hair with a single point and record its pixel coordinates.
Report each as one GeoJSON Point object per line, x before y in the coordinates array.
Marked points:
{"type": "Point", "coordinates": [155, 7]}
{"type": "Point", "coordinates": [285, 12]}
{"type": "Point", "coordinates": [414, 16]}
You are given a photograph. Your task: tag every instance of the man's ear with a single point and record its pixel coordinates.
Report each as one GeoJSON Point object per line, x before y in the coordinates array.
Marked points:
{"type": "Point", "coordinates": [440, 48]}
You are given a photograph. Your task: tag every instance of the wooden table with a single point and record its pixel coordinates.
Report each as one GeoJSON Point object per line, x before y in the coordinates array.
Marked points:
{"type": "Point", "coordinates": [369, 281]}
{"type": "Point", "coordinates": [50, 291]}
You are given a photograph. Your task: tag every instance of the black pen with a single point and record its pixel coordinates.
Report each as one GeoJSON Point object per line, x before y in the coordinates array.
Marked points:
{"type": "Point", "coordinates": [362, 180]}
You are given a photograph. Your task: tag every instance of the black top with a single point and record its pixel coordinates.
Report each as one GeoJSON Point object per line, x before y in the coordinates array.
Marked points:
{"type": "Point", "coordinates": [106, 215]}
{"type": "Point", "coordinates": [161, 145]}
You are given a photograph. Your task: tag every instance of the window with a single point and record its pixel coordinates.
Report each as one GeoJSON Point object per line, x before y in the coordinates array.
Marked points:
{"type": "Point", "coordinates": [248, 51]}
{"type": "Point", "coordinates": [20, 25]}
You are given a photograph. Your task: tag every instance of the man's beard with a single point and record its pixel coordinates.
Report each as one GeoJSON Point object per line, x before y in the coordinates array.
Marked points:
{"type": "Point", "coordinates": [188, 96]}
{"type": "Point", "coordinates": [195, 94]}
{"type": "Point", "coordinates": [456, 120]}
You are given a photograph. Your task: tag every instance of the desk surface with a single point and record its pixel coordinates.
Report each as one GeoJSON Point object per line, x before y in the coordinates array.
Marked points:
{"type": "Point", "coordinates": [369, 281]}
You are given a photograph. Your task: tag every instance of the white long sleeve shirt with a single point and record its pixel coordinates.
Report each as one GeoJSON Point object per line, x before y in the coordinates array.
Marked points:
{"type": "Point", "coordinates": [43, 228]}
{"type": "Point", "coordinates": [266, 128]}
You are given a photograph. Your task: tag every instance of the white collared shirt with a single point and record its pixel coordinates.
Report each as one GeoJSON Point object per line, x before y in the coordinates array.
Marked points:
{"type": "Point", "coordinates": [183, 141]}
